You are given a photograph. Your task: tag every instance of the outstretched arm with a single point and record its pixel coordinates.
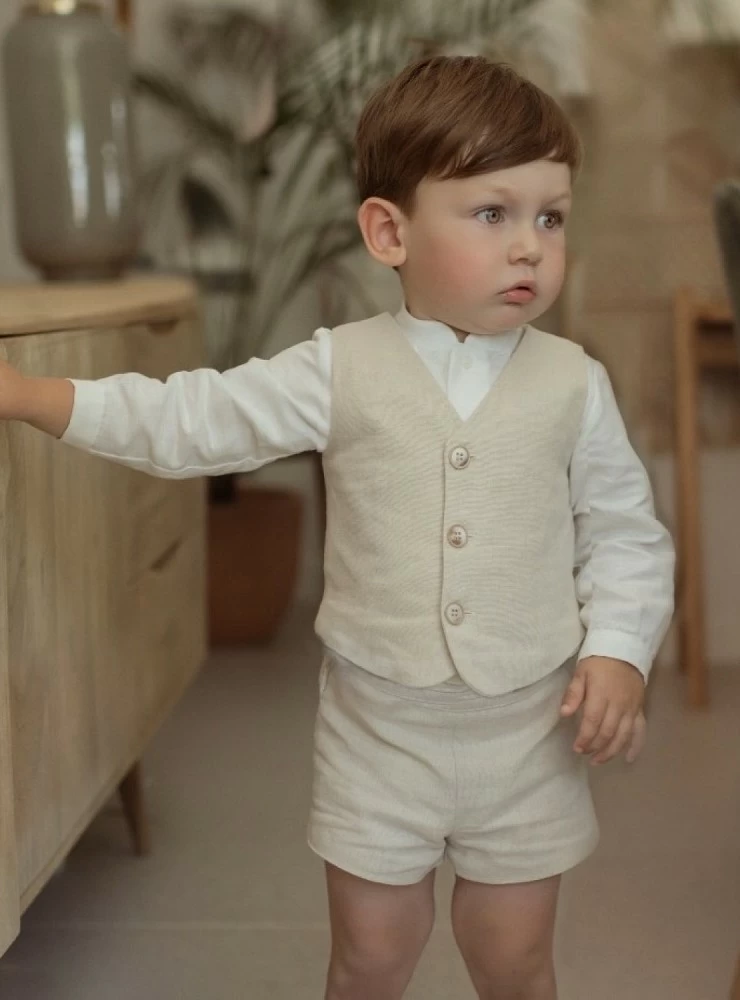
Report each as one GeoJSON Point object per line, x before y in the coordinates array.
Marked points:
{"type": "Point", "coordinates": [196, 423]}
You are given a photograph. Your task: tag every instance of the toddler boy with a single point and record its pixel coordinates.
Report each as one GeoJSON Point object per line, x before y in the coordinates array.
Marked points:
{"type": "Point", "coordinates": [493, 561]}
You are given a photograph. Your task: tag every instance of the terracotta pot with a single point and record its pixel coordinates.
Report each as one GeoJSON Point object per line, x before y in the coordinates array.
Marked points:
{"type": "Point", "coordinates": [253, 556]}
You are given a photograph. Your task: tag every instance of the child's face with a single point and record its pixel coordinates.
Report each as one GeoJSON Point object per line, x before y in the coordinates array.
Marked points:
{"type": "Point", "coordinates": [470, 240]}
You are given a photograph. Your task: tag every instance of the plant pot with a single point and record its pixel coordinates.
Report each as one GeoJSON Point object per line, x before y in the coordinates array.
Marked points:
{"type": "Point", "coordinates": [253, 558]}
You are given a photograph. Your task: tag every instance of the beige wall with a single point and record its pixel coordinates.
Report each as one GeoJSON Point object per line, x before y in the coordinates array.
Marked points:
{"type": "Point", "coordinates": [666, 130]}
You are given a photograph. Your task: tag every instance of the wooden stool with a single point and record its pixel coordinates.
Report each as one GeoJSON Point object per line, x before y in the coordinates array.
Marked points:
{"type": "Point", "coordinates": [703, 340]}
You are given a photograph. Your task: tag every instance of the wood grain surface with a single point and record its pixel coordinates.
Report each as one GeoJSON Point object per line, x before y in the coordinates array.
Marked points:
{"type": "Point", "coordinates": [45, 307]}
{"type": "Point", "coordinates": [102, 597]}
{"type": "Point", "coordinates": [9, 896]}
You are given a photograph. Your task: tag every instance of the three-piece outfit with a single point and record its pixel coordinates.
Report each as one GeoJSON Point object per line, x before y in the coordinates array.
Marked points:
{"type": "Point", "coordinates": [488, 524]}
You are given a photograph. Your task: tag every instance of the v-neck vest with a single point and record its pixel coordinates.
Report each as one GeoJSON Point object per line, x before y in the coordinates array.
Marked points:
{"type": "Point", "coordinates": [450, 542]}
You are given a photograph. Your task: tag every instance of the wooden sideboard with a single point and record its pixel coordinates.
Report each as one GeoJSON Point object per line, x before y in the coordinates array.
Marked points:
{"type": "Point", "coordinates": [102, 592]}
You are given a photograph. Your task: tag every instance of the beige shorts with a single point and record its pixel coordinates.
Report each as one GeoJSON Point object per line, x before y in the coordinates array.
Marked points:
{"type": "Point", "coordinates": [404, 777]}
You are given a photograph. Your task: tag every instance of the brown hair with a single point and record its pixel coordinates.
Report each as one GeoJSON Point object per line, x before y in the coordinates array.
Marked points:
{"type": "Point", "coordinates": [446, 117]}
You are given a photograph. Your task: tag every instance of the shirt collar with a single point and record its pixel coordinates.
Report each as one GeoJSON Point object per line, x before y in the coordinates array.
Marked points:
{"type": "Point", "coordinates": [431, 333]}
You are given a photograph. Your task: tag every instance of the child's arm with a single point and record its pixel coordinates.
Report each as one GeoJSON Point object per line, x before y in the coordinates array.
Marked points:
{"type": "Point", "coordinates": [625, 561]}
{"type": "Point", "coordinates": [196, 423]}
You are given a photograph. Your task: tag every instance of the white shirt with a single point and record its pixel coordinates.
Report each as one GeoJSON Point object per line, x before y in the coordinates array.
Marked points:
{"type": "Point", "coordinates": [206, 423]}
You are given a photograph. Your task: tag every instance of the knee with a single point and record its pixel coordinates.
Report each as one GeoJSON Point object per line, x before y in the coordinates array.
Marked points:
{"type": "Point", "coordinates": [516, 975]}
{"type": "Point", "coordinates": [377, 954]}
{"type": "Point", "coordinates": [375, 962]}
{"type": "Point", "coordinates": [534, 977]}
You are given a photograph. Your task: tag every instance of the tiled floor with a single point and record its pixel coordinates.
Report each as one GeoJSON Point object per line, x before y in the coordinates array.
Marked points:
{"type": "Point", "coordinates": [230, 906]}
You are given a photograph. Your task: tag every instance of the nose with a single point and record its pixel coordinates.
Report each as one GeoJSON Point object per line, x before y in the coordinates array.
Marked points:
{"type": "Point", "coordinates": [525, 247]}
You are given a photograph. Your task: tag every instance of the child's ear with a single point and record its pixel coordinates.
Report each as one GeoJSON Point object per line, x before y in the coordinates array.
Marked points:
{"type": "Point", "coordinates": [381, 223]}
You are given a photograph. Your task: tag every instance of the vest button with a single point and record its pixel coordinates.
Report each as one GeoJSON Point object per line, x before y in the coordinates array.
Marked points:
{"type": "Point", "coordinates": [459, 457]}
{"type": "Point", "coordinates": [457, 536]}
{"type": "Point", "coordinates": [454, 614]}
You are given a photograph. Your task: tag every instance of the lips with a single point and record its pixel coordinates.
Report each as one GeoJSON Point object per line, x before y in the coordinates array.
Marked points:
{"type": "Point", "coordinates": [528, 283]}
{"type": "Point", "coordinates": [522, 292]}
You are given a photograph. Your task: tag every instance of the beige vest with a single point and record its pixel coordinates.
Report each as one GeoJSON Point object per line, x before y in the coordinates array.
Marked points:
{"type": "Point", "coordinates": [450, 543]}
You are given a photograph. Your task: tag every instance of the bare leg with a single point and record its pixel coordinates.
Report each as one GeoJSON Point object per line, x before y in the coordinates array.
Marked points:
{"type": "Point", "coordinates": [505, 934]}
{"type": "Point", "coordinates": [378, 935]}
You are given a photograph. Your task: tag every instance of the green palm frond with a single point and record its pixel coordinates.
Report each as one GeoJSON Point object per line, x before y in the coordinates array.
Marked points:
{"type": "Point", "coordinates": [340, 11]}
{"type": "Point", "coordinates": [179, 100]}
{"type": "Point", "coordinates": [344, 69]}
{"type": "Point", "coordinates": [227, 37]}
{"type": "Point", "coordinates": [379, 40]}
{"type": "Point", "coordinates": [293, 261]}
{"type": "Point", "coordinates": [471, 19]}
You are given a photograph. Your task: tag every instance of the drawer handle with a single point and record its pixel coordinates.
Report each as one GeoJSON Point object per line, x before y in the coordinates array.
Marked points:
{"type": "Point", "coordinates": [161, 562]}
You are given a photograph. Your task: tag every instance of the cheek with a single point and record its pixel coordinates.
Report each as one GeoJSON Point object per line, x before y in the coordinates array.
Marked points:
{"type": "Point", "coordinates": [556, 263]}
{"type": "Point", "coordinates": [451, 264]}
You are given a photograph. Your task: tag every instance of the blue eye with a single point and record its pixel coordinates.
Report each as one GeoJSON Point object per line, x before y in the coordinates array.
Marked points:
{"type": "Point", "coordinates": [557, 219]}
{"type": "Point", "coordinates": [495, 215]}
{"type": "Point", "coordinates": [491, 216]}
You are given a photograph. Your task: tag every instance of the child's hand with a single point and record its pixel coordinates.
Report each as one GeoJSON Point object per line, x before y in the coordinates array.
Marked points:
{"type": "Point", "coordinates": [12, 385]}
{"type": "Point", "coordinates": [611, 693]}
{"type": "Point", "coordinates": [45, 403]}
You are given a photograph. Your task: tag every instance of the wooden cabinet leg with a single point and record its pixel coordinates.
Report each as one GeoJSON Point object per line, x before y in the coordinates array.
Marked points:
{"type": "Point", "coordinates": [132, 798]}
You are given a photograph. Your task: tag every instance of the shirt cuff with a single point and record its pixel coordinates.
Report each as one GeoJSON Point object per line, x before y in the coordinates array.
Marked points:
{"type": "Point", "coordinates": [88, 409]}
{"type": "Point", "coordinates": [618, 646]}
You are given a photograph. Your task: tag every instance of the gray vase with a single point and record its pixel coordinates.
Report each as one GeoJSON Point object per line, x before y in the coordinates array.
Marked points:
{"type": "Point", "coordinates": [68, 104]}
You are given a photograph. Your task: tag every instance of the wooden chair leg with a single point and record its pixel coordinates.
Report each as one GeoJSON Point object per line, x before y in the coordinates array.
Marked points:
{"type": "Point", "coordinates": [132, 798]}
{"type": "Point", "coordinates": [689, 515]}
{"type": "Point", "coordinates": [735, 994]}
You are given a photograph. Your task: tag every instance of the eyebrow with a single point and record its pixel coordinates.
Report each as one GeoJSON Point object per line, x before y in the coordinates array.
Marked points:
{"type": "Point", "coordinates": [511, 193]}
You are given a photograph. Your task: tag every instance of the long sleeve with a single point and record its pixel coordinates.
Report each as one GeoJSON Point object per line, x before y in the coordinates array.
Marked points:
{"type": "Point", "coordinates": [624, 556]}
{"type": "Point", "coordinates": [206, 423]}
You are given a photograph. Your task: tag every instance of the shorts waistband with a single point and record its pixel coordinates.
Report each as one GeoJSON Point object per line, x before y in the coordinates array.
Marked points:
{"type": "Point", "coordinates": [451, 693]}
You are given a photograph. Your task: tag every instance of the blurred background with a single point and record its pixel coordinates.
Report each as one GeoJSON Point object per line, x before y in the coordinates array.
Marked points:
{"type": "Point", "coordinates": [234, 171]}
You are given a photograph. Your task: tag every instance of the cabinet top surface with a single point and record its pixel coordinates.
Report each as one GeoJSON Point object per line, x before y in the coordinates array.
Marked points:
{"type": "Point", "coordinates": [41, 308]}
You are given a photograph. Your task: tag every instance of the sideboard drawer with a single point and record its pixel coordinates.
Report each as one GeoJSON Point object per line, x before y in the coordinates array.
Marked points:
{"type": "Point", "coordinates": [161, 513]}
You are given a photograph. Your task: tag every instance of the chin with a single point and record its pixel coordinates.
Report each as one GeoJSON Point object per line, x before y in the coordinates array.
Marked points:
{"type": "Point", "coordinates": [525, 312]}
{"type": "Point", "coordinates": [513, 314]}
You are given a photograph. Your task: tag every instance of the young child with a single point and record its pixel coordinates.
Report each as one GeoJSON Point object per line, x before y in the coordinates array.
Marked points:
{"type": "Point", "coordinates": [493, 562]}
